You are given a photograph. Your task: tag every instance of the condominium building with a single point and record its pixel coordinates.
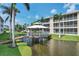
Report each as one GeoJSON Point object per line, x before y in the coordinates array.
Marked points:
{"type": "Point", "coordinates": [1, 25]}
{"type": "Point", "coordinates": [69, 24]}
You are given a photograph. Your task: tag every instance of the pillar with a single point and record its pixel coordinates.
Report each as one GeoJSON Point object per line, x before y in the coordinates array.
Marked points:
{"type": "Point", "coordinates": [51, 25]}
{"type": "Point", "coordinates": [78, 23]}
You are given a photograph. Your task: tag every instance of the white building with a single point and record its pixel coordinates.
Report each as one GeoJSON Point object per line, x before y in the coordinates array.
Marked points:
{"type": "Point", "coordinates": [69, 24]}
{"type": "Point", "coordinates": [1, 25]}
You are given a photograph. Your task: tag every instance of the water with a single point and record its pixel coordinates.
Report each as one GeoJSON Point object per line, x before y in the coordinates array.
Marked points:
{"type": "Point", "coordinates": [54, 48]}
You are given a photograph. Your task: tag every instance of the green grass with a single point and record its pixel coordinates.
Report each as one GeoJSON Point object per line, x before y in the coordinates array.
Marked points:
{"type": "Point", "coordinates": [4, 36]}
{"type": "Point", "coordinates": [70, 38]}
{"type": "Point", "coordinates": [21, 50]}
{"type": "Point", "coordinates": [19, 33]}
{"type": "Point", "coordinates": [54, 36]}
{"type": "Point", "coordinates": [6, 51]}
{"type": "Point", "coordinates": [24, 50]}
{"type": "Point", "coordinates": [65, 37]}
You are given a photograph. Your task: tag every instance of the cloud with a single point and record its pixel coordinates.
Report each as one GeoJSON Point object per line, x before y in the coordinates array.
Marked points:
{"type": "Point", "coordinates": [70, 7]}
{"type": "Point", "coordinates": [37, 16]}
{"type": "Point", "coordinates": [53, 11]}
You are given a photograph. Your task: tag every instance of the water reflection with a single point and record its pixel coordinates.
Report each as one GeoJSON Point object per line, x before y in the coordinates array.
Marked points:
{"type": "Point", "coordinates": [62, 48]}
{"type": "Point", "coordinates": [53, 47]}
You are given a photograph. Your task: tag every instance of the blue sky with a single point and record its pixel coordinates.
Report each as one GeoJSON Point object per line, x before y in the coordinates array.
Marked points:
{"type": "Point", "coordinates": [38, 10]}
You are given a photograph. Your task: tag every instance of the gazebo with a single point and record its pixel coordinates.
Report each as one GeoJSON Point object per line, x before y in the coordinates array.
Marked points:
{"type": "Point", "coordinates": [37, 30]}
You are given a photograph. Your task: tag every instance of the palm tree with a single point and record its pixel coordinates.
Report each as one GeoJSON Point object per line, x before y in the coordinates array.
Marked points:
{"type": "Point", "coordinates": [7, 10]}
{"type": "Point", "coordinates": [12, 16]}
{"type": "Point", "coordinates": [58, 17]}
{"type": "Point", "coordinates": [13, 7]}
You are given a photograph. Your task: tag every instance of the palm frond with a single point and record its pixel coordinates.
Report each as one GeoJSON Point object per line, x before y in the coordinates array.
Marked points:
{"type": "Point", "coordinates": [17, 11]}
{"type": "Point", "coordinates": [27, 6]}
{"type": "Point", "coordinates": [57, 16]}
{"type": "Point", "coordinates": [4, 7]}
{"type": "Point", "coordinates": [7, 18]}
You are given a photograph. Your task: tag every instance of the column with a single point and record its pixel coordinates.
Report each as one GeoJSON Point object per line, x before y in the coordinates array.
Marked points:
{"type": "Point", "coordinates": [78, 23]}
{"type": "Point", "coordinates": [51, 25]}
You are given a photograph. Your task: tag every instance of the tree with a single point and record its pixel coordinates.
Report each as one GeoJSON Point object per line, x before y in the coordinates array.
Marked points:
{"type": "Point", "coordinates": [7, 10]}
{"type": "Point", "coordinates": [12, 16]}
{"type": "Point", "coordinates": [13, 7]}
{"type": "Point", "coordinates": [58, 17]}
{"type": "Point", "coordinates": [18, 27]}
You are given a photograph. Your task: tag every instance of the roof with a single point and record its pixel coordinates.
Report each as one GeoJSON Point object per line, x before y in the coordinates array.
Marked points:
{"type": "Point", "coordinates": [36, 27]}
{"type": "Point", "coordinates": [37, 23]}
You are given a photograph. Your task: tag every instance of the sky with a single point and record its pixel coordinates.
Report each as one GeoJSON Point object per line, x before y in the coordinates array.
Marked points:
{"type": "Point", "coordinates": [38, 10]}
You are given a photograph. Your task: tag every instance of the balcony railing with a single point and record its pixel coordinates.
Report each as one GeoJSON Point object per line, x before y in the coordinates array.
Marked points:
{"type": "Point", "coordinates": [65, 20]}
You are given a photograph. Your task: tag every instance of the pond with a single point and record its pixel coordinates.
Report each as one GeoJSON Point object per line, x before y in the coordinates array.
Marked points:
{"type": "Point", "coordinates": [52, 47]}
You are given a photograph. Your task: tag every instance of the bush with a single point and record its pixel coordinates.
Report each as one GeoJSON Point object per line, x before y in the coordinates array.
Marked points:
{"type": "Point", "coordinates": [49, 37]}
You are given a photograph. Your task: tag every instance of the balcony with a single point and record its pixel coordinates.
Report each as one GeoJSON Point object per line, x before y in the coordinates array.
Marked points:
{"type": "Point", "coordinates": [65, 21]}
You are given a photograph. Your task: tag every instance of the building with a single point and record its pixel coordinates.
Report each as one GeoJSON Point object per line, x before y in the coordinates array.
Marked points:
{"type": "Point", "coordinates": [1, 25]}
{"type": "Point", "coordinates": [69, 24]}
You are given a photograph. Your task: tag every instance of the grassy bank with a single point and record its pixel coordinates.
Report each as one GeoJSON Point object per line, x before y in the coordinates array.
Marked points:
{"type": "Point", "coordinates": [24, 49]}
{"type": "Point", "coordinates": [21, 50]}
{"type": "Point", "coordinates": [65, 37]}
{"type": "Point", "coordinates": [6, 51]}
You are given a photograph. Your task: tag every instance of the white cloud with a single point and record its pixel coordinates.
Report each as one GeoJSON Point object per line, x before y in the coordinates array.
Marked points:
{"type": "Point", "coordinates": [53, 11]}
{"type": "Point", "coordinates": [66, 5]}
{"type": "Point", "coordinates": [37, 16]}
{"type": "Point", "coordinates": [70, 7]}
{"type": "Point", "coordinates": [18, 21]}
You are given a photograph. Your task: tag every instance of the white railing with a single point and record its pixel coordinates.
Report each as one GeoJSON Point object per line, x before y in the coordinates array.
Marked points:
{"type": "Point", "coordinates": [65, 21]}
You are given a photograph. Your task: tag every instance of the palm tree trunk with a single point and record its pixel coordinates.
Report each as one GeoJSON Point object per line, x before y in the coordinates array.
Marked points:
{"type": "Point", "coordinates": [10, 29]}
{"type": "Point", "coordinates": [13, 27]}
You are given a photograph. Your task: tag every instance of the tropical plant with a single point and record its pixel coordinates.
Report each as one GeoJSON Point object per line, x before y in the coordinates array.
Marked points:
{"type": "Point", "coordinates": [12, 16]}
{"type": "Point", "coordinates": [13, 7]}
{"type": "Point", "coordinates": [7, 10]}
{"type": "Point", "coordinates": [18, 27]}
{"type": "Point", "coordinates": [58, 17]}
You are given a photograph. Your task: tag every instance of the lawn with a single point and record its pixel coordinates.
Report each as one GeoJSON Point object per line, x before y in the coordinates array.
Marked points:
{"type": "Point", "coordinates": [6, 51]}
{"type": "Point", "coordinates": [24, 49]}
{"type": "Point", "coordinates": [4, 36]}
{"type": "Point", "coordinates": [19, 33]}
{"type": "Point", "coordinates": [65, 37]}
{"type": "Point", "coordinates": [21, 50]}
{"type": "Point", "coordinates": [70, 38]}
